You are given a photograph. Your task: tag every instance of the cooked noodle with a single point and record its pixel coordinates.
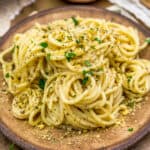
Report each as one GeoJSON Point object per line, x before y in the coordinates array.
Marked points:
{"type": "Point", "coordinates": [78, 72]}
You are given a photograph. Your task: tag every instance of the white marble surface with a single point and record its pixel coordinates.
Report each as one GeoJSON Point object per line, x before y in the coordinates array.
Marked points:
{"type": "Point", "coordinates": [8, 10]}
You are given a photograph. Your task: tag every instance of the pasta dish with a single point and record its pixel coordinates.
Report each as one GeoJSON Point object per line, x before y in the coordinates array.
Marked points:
{"type": "Point", "coordinates": [80, 72]}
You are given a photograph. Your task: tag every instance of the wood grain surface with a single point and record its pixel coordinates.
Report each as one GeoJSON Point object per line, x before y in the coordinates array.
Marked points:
{"type": "Point", "coordinates": [116, 137]}
{"type": "Point", "coordinates": [146, 3]}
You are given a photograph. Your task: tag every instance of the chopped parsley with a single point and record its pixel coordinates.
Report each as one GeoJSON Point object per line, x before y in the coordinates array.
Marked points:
{"type": "Point", "coordinates": [81, 46]}
{"type": "Point", "coordinates": [82, 37]}
{"type": "Point", "coordinates": [129, 78]}
{"type": "Point", "coordinates": [98, 40]}
{"type": "Point", "coordinates": [85, 79]}
{"type": "Point", "coordinates": [42, 83]}
{"type": "Point", "coordinates": [69, 37]}
{"type": "Point", "coordinates": [91, 28]}
{"type": "Point", "coordinates": [86, 73]}
{"type": "Point", "coordinates": [131, 103]}
{"type": "Point", "coordinates": [59, 40]}
{"type": "Point", "coordinates": [101, 69]}
{"type": "Point", "coordinates": [69, 55]}
{"type": "Point", "coordinates": [11, 147]}
{"type": "Point", "coordinates": [7, 75]}
{"type": "Point", "coordinates": [87, 63]}
{"type": "Point", "coordinates": [49, 28]}
{"type": "Point", "coordinates": [17, 46]}
{"type": "Point", "coordinates": [75, 21]}
{"type": "Point", "coordinates": [148, 40]}
{"type": "Point", "coordinates": [48, 57]}
{"type": "Point", "coordinates": [44, 44]}
{"type": "Point", "coordinates": [77, 41]}
{"type": "Point", "coordinates": [93, 47]}
{"type": "Point", "coordinates": [130, 129]}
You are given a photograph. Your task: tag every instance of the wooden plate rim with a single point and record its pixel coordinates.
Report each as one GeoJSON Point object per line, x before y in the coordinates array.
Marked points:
{"type": "Point", "coordinates": [119, 146]}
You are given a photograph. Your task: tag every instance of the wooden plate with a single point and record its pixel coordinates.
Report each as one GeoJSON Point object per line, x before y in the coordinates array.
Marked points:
{"type": "Point", "coordinates": [116, 137]}
{"type": "Point", "coordinates": [146, 3]}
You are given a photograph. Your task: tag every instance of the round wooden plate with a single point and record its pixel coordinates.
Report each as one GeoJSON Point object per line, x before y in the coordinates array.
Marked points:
{"type": "Point", "coordinates": [115, 137]}
{"type": "Point", "coordinates": [146, 3]}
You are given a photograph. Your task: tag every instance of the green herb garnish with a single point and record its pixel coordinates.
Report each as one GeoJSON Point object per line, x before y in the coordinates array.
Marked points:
{"type": "Point", "coordinates": [82, 37]}
{"type": "Point", "coordinates": [93, 47]}
{"type": "Point", "coordinates": [130, 129]}
{"type": "Point", "coordinates": [81, 46]}
{"type": "Point", "coordinates": [86, 73]}
{"type": "Point", "coordinates": [75, 21]}
{"type": "Point", "coordinates": [148, 40]}
{"type": "Point", "coordinates": [17, 46]}
{"type": "Point", "coordinates": [42, 83]}
{"type": "Point", "coordinates": [87, 63]}
{"type": "Point", "coordinates": [77, 41]}
{"type": "Point", "coordinates": [7, 75]}
{"type": "Point", "coordinates": [101, 69]}
{"type": "Point", "coordinates": [129, 78]}
{"type": "Point", "coordinates": [91, 28]}
{"type": "Point", "coordinates": [11, 147]}
{"type": "Point", "coordinates": [69, 37]}
{"type": "Point", "coordinates": [131, 104]}
{"type": "Point", "coordinates": [59, 40]}
{"type": "Point", "coordinates": [48, 57]}
{"type": "Point", "coordinates": [49, 28]}
{"type": "Point", "coordinates": [85, 79]}
{"type": "Point", "coordinates": [98, 40]}
{"type": "Point", "coordinates": [69, 55]}
{"type": "Point", "coordinates": [44, 44]}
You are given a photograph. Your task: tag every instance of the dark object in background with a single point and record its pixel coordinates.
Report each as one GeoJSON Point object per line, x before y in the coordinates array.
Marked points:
{"type": "Point", "coordinates": [80, 1]}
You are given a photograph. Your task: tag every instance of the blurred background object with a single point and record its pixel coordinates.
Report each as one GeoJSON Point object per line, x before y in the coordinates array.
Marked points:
{"type": "Point", "coordinates": [136, 8]}
{"type": "Point", "coordinates": [9, 9]}
{"type": "Point", "coordinates": [80, 1]}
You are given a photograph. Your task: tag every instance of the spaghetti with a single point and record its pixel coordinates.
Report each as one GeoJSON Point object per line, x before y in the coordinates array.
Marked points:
{"type": "Point", "coordinates": [77, 71]}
